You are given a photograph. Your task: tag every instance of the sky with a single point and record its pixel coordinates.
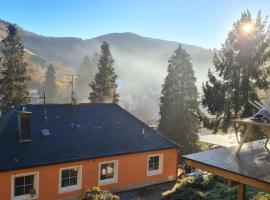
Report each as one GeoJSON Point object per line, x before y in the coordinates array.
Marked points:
{"type": "Point", "coordinates": [204, 23]}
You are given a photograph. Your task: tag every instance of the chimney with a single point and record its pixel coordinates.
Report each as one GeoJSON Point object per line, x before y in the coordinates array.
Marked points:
{"type": "Point", "coordinates": [24, 125]}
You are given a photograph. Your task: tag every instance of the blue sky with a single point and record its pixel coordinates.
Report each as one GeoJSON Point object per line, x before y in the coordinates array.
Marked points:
{"type": "Point", "coordinates": [200, 22]}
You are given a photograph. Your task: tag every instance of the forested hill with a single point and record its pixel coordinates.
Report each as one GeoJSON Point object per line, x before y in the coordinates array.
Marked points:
{"type": "Point", "coordinates": [140, 62]}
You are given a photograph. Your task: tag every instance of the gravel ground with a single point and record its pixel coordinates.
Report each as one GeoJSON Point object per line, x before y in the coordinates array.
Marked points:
{"type": "Point", "coordinates": [154, 192]}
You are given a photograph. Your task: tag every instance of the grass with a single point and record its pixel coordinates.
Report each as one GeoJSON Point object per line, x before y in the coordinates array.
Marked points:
{"type": "Point", "coordinates": [209, 187]}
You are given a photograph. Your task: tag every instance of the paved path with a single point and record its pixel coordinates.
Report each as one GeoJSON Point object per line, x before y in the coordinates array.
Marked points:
{"type": "Point", "coordinates": [151, 192]}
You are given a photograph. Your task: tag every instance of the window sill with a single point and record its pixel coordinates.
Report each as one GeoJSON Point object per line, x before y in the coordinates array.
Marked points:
{"type": "Point", "coordinates": [25, 197]}
{"type": "Point", "coordinates": [70, 189]}
{"type": "Point", "coordinates": [154, 172]}
{"type": "Point", "coordinates": [107, 181]}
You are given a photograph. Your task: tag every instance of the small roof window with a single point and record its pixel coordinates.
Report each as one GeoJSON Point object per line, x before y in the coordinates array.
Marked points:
{"type": "Point", "coordinates": [45, 132]}
{"type": "Point", "coordinates": [75, 125]}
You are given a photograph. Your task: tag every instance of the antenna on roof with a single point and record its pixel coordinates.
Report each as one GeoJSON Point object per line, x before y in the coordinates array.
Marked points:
{"type": "Point", "coordinates": [74, 97]}
{"type": "Point", "coordinates": [44, 104]}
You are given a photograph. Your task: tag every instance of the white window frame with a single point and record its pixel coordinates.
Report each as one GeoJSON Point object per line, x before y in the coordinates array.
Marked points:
{"type": "Point", "coordinates": [27, 196]}
{"type": "Point", "coordinates": [155, 172]}
{"type": "Point", "coordinates": [73, 187]}
{"type": "Point", "coordinates": [115, 175]}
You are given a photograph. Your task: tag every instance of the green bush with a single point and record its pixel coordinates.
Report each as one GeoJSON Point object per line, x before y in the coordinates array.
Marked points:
{"type": "Point", "coordinates": [208, 187]}
{"type": "Point", "coordinates": [261, 196]}
{"type": "Point", "coordinates": [96, 193]}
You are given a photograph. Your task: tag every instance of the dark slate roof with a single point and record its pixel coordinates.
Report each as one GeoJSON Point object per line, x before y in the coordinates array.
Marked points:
{"type": "Point", "coordinates": [80, 132]}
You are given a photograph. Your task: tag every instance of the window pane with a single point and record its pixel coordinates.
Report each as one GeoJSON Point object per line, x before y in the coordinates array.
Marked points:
{"type": "Point", "coordinates": [150, 167]}
{"type": "Point", "coordinates": [73, 181]}
{"type": "Point", "coordinates": [19, 191]}
{"type": "Point", "coordinates": [29, 179]}
{"type": "Point", "coordinates": [65, 173]}
{"type": "Point", "coordinates": [28, 189]}
{"type": "Point", "coordinates": [65, 182]}
{"type": "Point", "coordinates": [156, 166]}
{"type": "Point", "coordinates": [19, 181]}
{"type": "Point", "coordinates": [110, 169]}
{"type": "Point", "coordinates": [156, 159]}
{"type": "Point", "coordinates": [69, 177]}
{"type": "Point", "coordinates": [153, 163]}
{"type": "Point", "coordinates": [103, 166]}
{"type": "Point", "coordinates": [73, 172]}
{"type": "Point", "coordinates": [109, 175]}
{"type": "Point", "coordinates": [106, 171]}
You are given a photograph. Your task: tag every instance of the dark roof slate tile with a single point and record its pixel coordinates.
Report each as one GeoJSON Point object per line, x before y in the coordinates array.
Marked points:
{"type": "Point", "coordinates": [80, 132]}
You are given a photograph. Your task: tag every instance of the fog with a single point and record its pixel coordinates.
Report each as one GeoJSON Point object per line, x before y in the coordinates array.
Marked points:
{"type": "Point", "coordinates": [140, 63]}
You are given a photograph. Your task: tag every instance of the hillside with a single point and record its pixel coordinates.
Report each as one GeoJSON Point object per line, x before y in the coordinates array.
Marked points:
{"type": "Point", "coordinates": [140, 62]}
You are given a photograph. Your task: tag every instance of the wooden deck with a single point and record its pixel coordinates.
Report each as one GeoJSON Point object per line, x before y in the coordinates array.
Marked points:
{"type": "Point", "coordinates": [250, 167]}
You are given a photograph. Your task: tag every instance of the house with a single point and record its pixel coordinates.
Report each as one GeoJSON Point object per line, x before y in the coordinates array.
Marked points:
{"type": "Point", "coordinates": [56, 151]}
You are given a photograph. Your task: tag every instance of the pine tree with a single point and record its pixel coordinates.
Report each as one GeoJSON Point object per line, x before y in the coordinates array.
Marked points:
{"type": "Point", "coordinates": [241, 72]}
{"type": "Point", "coordinates": [49, 86]}
{"type": "Point", "coordinates": [104, 88]}
{"type": "Point", "coordinates": [86, 73]}
{"type": "Point", "coordinates": [178, 102]}
{"type": "Point", "coordinates": [15, 80]}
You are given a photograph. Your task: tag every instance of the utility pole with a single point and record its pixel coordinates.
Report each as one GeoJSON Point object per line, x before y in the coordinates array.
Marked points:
{"type": "Point", "coordinates": [43, 97]}
{"type": "Point", "coordinates": [72, 81]}
{"type": "Point", "coordinates": [44, 104]}
{"type": "Point", "coordinates": [72, 85]}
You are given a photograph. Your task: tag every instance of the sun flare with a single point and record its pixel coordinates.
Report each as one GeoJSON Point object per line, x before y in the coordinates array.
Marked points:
{"type": "Point", "coordinates": [247, 27]}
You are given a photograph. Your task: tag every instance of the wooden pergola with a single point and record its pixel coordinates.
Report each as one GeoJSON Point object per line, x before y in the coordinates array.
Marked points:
{"type": "Point", "coordinates": [250, 167]}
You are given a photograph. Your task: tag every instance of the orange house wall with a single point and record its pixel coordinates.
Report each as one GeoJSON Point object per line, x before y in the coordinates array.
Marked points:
{"type": "Point", "coordinates": [132, 173]}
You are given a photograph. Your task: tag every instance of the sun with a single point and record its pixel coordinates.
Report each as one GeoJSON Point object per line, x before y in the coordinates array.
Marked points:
{"type": "Point", "coordinates": [247, 28]}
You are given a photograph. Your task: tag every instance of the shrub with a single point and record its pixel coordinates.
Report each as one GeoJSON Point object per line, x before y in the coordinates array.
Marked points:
{"type": "Point", "coordinates": [96, 193]}
{"type": "Point", "coordinates": [261, 196]}
{"type": "Point", "coordinates": [209, 187]}
{"type": "Point", "coordinates": [205, 187]}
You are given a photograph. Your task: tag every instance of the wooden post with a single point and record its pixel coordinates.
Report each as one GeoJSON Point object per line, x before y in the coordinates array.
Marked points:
{"type": "Point", "coordinates": [209, 145]}
{"type": "Point", "coordinates": [229, 182]}
{"type": "Point", "coordinates": [243, 139]}
{"type": "Point", "coordinates": [241, 190]}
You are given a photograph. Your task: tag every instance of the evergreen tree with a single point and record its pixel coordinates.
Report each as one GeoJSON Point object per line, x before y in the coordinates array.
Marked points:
{"type": "Point", "coordinates": [104, 88]}
{"type": "Point", "coordinates": [178, 102]}
{"type": "Point", "coordinates": [241, 72]}
{"type": "Point", "coordinates": [49, 86]}
{"type": "Point", "coordinates": [86, 73]}
{"type": "Point", "coordinates": [14, 82]}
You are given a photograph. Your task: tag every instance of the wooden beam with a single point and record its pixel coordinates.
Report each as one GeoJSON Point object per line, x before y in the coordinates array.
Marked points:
{"type": "Point", "coordinates": [241, 191]}
{"type": "Point", "coordinates": [248, 121]}
{"type": "Point", "coordinates": [229, 175]}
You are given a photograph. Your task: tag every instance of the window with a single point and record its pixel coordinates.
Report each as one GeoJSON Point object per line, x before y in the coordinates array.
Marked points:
{"type": "Point", "coordinates": [155, 164]}
{"type": "Point", "coordinates": [70, 179]}
{"type": "Point", "coordinates": [25, 186]}
{"type": "Point", "coordinates": [108, 172]}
